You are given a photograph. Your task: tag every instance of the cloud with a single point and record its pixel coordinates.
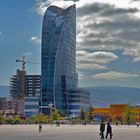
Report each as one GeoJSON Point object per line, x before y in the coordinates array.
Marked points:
{"type": "Point", "coordinates": [134, 52]}
{"type": "Point", "coordinates": [137, 59]}
{"type": "Point", "coordinates": [43, 4]}
{"type": "Point", "coordinates": [101, 57]}
{"type": "Point", "coordinates": [88, 66]}
{"type": "Point", "coordinates": [27, 54]}
{"type": "Point", "coordinates": [103, 9]}
{"type": "Point", "coordinates": [135, 0]}
{"type": "Point", "coordinates": [94, 60]}
{"type": "Point", "coordinates": [108, 27]}
{"type": "Point", "coordinates": [81, 76]}
{"type": "Point", "coordinates": [0, 33]}
{"type": "Point", "coordinates": [114, 75]}
{"type": "Point", "coordinates": [35, 40]}
{"type": "Point", "coordinates": [125, 4]}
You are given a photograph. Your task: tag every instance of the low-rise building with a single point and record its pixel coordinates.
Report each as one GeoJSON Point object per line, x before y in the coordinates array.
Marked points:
{"type": "Point", "coordinates": [16, 106]}
{"type": "Point", "coordinates": [99, 113]}
{"type": "Point", "coordinates": [77, 100]}
{"type": "Point", "coordinates": [118, 112]}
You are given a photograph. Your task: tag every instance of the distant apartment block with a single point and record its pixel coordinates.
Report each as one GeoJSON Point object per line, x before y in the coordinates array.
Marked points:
{"type": "Point", "coordinates": [15, 106]}
{"type": "Point", "coordinates": [30, 84]}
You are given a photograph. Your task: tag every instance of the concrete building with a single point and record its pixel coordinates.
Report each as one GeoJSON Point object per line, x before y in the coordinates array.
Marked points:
{"type": "Point", "coordinates": [118, 112]}
{"type": "Point", "coordinates": [58, 66]}
{"type": "Point", "coordinates": [31, 84]}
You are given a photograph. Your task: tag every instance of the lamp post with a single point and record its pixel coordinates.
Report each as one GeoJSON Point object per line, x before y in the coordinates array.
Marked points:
{"type": "Point", "coordinates": [51, 111]}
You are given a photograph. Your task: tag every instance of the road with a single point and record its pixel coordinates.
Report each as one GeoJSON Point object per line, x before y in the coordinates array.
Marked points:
{"type": "Point", "coordinates": [65, 132]}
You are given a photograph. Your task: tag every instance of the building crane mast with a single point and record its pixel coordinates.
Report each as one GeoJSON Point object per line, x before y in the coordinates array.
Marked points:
{"type": "Point", "coordinates": [23, 74]}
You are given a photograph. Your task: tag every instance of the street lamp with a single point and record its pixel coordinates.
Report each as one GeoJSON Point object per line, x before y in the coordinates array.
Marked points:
{"type": "Point", "coordinates": [51, 111]}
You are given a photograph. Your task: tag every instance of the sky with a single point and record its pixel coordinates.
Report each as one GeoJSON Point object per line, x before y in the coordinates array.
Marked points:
{"type": "Point", "coordinates": [108, 39]}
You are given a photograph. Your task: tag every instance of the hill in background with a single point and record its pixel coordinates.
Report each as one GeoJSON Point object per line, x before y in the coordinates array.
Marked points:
{"type": "Point", "coordinates": [103, 96]}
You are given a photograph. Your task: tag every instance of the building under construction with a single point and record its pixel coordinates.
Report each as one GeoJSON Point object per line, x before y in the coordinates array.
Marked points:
{"type": "Point", "coordinates": [22, 85]}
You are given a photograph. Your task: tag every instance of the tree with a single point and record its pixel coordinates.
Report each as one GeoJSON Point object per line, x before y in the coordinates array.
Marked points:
{"type": "Point", "coordinates": [10, 120]}
{"type": "Point", "coordinates": [82, 115]}
{"type": "Point", "coordinates": [128, 114]}
{"type": "Point", "coordinates": [40, 118]}
{"type": "Point", "coordinates": [90, 114]}
{"type": "Point", "coordinates": [17, 119]}
{"type": "Point", "coordinates": [1, 118]}
{"type": "Point", "coordinates": [57, 115]}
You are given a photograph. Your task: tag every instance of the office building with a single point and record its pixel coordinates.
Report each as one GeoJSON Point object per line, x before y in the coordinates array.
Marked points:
{"type": "Point", "coordinates": [58, 66]}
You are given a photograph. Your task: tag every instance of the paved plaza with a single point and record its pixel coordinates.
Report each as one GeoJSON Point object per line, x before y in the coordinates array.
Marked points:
{"type": "Point", "coordinates": [65, 132]}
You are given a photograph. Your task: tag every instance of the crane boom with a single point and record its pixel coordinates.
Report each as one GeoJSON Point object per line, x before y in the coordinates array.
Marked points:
{"type": "Point", "coordinates": [24, 62]}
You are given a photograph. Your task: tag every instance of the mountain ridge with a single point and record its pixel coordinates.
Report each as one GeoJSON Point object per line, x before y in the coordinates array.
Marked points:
{"type": "Point", "coordinates": [103, 96]}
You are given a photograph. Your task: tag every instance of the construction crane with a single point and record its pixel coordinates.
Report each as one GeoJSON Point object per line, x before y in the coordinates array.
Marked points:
{"type": "Point", "coordinates": [23, 74]}
{"type": "Point", "coordinates": [24, 62]}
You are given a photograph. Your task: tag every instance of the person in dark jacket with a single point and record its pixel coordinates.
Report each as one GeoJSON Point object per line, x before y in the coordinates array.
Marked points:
{"type": "Point", "coordinates": [40, 127]}
{"type": "Point", "coordinates": [102, 129]}
{"type": "Point", "coordinates": [109, 131]}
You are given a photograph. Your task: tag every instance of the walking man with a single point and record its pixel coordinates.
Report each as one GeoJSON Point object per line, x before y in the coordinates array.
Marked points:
{"type": "Point", "coordinates": [102, 129]}
{"type": "Point", "coordinates": [109, 130]}
{"type": "Point", "coordinates": [40, 127]}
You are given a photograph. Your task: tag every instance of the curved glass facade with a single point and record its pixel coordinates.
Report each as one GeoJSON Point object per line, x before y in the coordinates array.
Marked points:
{"type": "Point", "coordinates": [58, 56]}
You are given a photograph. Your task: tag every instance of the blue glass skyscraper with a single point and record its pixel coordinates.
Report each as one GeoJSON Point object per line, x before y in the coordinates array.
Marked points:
{"type": "Point", "coordinates": [58, 65]}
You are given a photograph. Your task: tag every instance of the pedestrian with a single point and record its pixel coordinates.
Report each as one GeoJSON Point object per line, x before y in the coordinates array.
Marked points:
{"type": "Point", "coordinates": [117, 123]}
{"type": "Point", "coordinates": [57, 123]}
{"type": "Point", "coordinates": [40, 127]}
{"type": "Point", "coordinates": [84, 123]}
{"type": "Point", "coordinates": [137, 123]}
{"type": "Point", "coordinates": [102, 129]}
{"type": "Point", "coordinates": [72, 123]}
{"type": "Point", "coordinates": [109, 130]}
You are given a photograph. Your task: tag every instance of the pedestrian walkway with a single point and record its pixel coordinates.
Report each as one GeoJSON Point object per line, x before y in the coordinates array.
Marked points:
{"type": "Point", "coordinates": [65, 132]}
